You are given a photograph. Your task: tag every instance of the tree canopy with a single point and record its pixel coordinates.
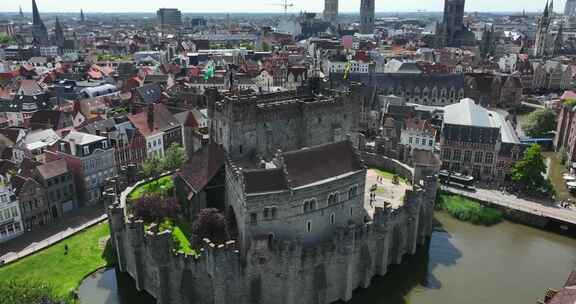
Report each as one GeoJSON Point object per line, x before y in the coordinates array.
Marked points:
{"type": "Point", "coordinates": [174, 157]}
{"type": "Point", "coordinates": [211, 224]}
{"type": "Point", "coordinates": [5, 39]}
{"type": "Point", "coordinates": [529, 172]}
{"type": "Point", "coordinates": [540, 122]}
{"type": "Point", "coordinates": [155, 208]}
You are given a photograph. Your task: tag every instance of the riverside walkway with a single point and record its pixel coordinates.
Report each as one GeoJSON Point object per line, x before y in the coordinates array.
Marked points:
{"type": "Point", "coordinates": [510, 201]}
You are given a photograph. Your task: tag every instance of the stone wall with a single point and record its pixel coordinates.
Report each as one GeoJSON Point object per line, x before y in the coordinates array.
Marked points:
{"type": "Point", "coordinates": [274, 271]}
{"type": "Point", "coordinates": [388, 164]}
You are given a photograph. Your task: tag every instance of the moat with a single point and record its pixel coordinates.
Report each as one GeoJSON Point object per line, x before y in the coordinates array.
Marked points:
{"type": "Point", "coordinates": [463, 264]}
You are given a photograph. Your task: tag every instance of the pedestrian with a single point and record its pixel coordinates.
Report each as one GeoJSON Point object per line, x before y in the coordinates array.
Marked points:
{"type": "Point", "coordinates": [65, 249]}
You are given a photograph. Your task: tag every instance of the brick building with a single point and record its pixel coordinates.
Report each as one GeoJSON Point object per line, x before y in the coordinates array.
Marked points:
{"type": "Point", "coordinates": [478, 142]}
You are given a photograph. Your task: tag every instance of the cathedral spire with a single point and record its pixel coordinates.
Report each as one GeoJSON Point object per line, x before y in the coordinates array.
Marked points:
{"type": "Point", "coordinates": [545, 14]}
{"type": "Point", "coordinates": [559, 40]}
{"type": "Point", "coordinates": [35, 13]}
{"type": "Point", "coordinates": [39, 31]}
{"type": "Point", "coordinates": [81, 16]}
{"type": "Point", "coordinates": [21, 13]}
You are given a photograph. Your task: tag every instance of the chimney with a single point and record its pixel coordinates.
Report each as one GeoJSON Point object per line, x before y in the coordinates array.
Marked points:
{"type": "Point", "coordinates": [150, 117]}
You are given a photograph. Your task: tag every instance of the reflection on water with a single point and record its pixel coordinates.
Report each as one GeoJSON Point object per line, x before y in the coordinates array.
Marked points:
{"type": "Point", "coordinates": [102, 288]}
{"type": "Point", "coordinates": [507, 263]}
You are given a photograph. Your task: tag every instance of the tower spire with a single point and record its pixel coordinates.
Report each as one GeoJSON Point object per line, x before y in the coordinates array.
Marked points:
{"type": "Point", "coordinates": [81, 15]}
{"type": "Point", "coordinates": [39, 31]}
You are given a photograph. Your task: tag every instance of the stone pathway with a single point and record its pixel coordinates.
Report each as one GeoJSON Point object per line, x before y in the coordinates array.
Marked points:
{"type": "Point", "coordinates": [43, 237]}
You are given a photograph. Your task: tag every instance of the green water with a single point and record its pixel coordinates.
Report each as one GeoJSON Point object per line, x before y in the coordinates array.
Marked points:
{"type": "Point", "coordinates": [464, 264]}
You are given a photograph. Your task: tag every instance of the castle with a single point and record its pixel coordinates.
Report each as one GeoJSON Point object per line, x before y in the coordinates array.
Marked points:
{"type": "Point", "coordinates": [306, 233]}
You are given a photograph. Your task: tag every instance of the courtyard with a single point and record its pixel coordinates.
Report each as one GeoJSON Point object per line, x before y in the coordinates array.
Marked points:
{"type": "Point", "coordinates": [386, 191]}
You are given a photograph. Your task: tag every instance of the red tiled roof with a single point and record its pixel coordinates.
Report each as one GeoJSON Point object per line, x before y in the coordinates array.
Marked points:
{"type": "Point", "coordinates": [199, 170]}
{"type": "Point", "coordinates": [163, 119]}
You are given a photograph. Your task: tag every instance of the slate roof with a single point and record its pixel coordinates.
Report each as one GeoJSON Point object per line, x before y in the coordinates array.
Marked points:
{"type": "Point", "coordinates": [149, 93]}
{"type": "Point", "coordinates": [265, 180]}
{"type": "Point", "coordinates": [202, 166]}
{"type": "Point", "coordinates": [318, 163]}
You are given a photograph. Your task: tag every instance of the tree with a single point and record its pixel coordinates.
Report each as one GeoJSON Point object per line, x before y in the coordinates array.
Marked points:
{"type": "Point", "coordinates": [210, 224]}
{"type": "Point", "coordinates": [540, 122]}
{"type": "Point", "coordinates": [5, 39]}
{"type": "Point", "coordinates": [265, 46]}
{"type": "Point", "coordinates": [174, 158]}
{"type": "Point", "coordinates": [152, 167]}
{"type": "Point", "coordinates": [155, 208]}
{"type": "Point", "coordinates": [529, 172]}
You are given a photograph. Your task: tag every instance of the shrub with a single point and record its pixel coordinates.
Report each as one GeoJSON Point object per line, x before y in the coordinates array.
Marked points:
{"type": "Point", "coordinates": [155, 208]}
{"type": "Point", "coordinates": [29, 292]}
{"type": "Point", "coordinates": [469, 211]}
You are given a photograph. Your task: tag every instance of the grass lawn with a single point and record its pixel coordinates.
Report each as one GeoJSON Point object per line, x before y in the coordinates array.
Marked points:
{"type": "Point", "coordinates": [390, 175]}
{"type": "Point", "coordinates": [468, 210]}
{"type": "Point", "coordinates": [164, 183]}
{"type": "Point", "coordinates": [181, 233]}
{"type": "Point", "coordinates": [555, 174]}
{"type": "Point", "coordinates": [86, 254]}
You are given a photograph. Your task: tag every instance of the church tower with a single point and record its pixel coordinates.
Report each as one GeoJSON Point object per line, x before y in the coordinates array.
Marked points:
{"type": "Point", "coordinates": [39, 31]}
{"type": "Point", "coordinates": [541, 44]}
{"type": "Point", "coordinates": [331, 10]}
{"type": "Point", "coordinates": [452, 31]}
{"type": "Point", "coordinates": [82, 18]}
{"type": "Point", "coordinates": [58, 34]}
{"type": "Point", "coordinates": [559, 40]}
{"type": "Point", "coordinates": [367, 14]}
{"type": "Point", "coordinates": [570, 8]}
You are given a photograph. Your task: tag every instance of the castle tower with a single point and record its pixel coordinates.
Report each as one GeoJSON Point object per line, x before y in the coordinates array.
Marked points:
{"type": "Point", "coordinates": [331, 10]}
{"type": "Point", "coordinates": [367, 12]}
{"type": "Point", "coordinates": [541, 46]}
{"type": "Point", "coordinates": [58, 34]}
{"type": "Point", "coordinates": [570, 8]}
{"type": "Point", "coordinates": [39, 31]}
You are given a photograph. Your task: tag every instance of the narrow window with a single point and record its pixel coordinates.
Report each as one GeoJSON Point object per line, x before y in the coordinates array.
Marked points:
{"type": "Point", "coordinates": [309, 226]}
{"type": "Point", "coordinates": [253, 218]}
{"type": "Point", "coordinates": [332, 218]}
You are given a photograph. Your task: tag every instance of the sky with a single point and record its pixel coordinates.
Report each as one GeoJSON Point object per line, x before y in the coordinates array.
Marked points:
{"type": "Point", "coordinates": [232, 6]}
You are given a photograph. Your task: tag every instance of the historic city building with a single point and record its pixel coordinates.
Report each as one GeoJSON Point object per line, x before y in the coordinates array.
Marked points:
{"type": "Point", "coordinates": [331, 10]}
{"type": "Point", "coordinates": [367, 15]}
{"type": "Point", "coordinates": [39, 31]}
{"type": "Point", "coordinates": [452, 32]}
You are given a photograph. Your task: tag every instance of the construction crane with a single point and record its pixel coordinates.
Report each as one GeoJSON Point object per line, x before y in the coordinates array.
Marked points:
{"type": "Point", "coordinates": [285, 5]}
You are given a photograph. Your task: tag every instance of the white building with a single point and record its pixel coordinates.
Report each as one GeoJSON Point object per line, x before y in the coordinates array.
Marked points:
{"type": "Point", "coordinates": [10, 216]}
{"type": "Point", "coordinates": [418, 134]}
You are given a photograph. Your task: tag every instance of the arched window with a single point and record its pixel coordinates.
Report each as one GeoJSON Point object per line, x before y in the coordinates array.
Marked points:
{"type": "Point", "coordinates": [333, 198]}
{"type": "Point", "coordinates": [352, 192]}
{"type": "Point", "coordinates": [309, 226]}
{"type": "Point", "coordinates": [332, 219]}
{"type": "Point", "coordinates": [309, 205]}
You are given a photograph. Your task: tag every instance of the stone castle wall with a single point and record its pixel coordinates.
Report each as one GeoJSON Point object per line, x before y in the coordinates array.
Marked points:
{"type": "Point", "coordinates": [274, 271]}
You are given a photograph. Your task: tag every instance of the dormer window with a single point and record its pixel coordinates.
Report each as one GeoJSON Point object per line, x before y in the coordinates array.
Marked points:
{"type": "Point", "coordinates": [104, 145]}
{"type": "Point", "coordinates": [86, 150]}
